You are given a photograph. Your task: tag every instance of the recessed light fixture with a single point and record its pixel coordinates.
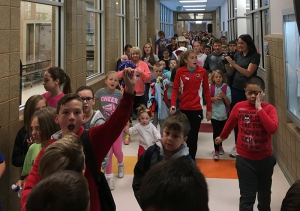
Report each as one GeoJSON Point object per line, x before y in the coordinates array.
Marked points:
{"type": "Point", "coordinates": [195, 6]}
{"type": "Point", "coordinates": [194, 9]}
{"type": "Point", "coordinates": [197, 1]}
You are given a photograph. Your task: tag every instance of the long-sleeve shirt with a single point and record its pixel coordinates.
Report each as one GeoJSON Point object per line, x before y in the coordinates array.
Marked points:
{"type": "Point", "coordinates": [255, 129]}
{"type": "Point", "coordinates": [110, 131]}
{"type": "Point", "coordinates": [141, 79]}
{"type": "Point", "coordinates": [148, 134]}
{"type": "Point", "coordinates": [21, 145]}
{"type": "Point", "coordinates": [192, 86]}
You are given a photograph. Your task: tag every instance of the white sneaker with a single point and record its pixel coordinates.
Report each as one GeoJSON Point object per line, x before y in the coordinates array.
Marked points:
{"type": "Point", "coordinates": [221, 150]}
{"type": "Point", "coordinates": [121, 170]}
{"type": "Point", "coordinates": [233, 152]}
{"type": "Point", "coordinates": [110, 181]}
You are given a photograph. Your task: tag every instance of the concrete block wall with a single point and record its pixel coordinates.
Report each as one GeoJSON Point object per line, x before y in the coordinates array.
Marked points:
{"type": "Point", "coordinates": [286, 142]}
{"type": "Point", "coordinates": [9, 96]}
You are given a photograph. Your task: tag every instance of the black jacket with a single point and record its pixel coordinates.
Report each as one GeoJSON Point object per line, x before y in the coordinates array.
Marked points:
{"type": "Point", "coordinates": [21, 146]}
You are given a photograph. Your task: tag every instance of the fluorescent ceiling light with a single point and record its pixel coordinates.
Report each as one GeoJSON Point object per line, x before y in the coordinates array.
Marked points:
{"type": "Point", "coordinates": [195, 6]}
{"type": "Point", "coordinates": [197, 1]}
{"type": "Point", "coordinates": [194, 9]}
{"type": "Point", "coordinates": [198, 22]}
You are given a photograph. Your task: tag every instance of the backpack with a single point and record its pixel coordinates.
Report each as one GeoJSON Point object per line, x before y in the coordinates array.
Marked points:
{"type": "Point", "coordinates": [149, 153]}
{"type": "Point", "coordinates": [106, 199]}
{"type": "Point", "coordinates": [224, 89]}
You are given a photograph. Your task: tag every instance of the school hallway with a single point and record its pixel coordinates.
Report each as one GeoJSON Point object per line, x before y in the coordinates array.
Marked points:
{"type": "Point", "coordinates": [220, 175]}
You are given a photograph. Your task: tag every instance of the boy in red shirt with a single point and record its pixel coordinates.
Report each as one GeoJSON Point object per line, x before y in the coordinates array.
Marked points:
{"type": "Point", "coordinates": [70, 117]}
{"type": "Point", "coordinates": [257, 121]}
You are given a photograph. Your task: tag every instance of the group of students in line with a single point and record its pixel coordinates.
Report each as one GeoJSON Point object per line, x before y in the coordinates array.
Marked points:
{"type": "Point", "coordinates": [187, 82]}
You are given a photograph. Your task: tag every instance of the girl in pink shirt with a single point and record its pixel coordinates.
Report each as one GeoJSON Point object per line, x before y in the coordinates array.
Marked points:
{"type": "Point", "coordinates": [54, 78]}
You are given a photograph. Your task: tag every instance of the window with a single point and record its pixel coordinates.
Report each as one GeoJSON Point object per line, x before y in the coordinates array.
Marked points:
{"type": "Point", "coordinates": [166, 21]}
{"type": "Point", "coordinates": [137, 22]}
{"type": "Point", "coordinates": [40, 37]}
{"type": "Point", "coordinates": [258, 24]}
{"type": "Point", "coordinates": [120, 4]}
{"type": "Point", "coordinates": [94, 37]}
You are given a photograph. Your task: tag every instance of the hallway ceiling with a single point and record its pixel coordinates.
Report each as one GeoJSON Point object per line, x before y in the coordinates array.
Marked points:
{"type": "Point", "coordinates": [210, 5]}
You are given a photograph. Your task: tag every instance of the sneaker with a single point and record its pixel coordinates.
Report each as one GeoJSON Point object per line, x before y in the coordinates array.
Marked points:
{"type": "Point", "coordinates": [233, 152]}
{"type": "Point", "coordinates": [127, 139]}
{"type": "Point", "coordinates": [121, 170]}
{"type": "Point", "coordinates": [221, 150]}
{"type": "Point", "coordinates": [216, 155]}
{"type": "Point", "coordinates": [110, 182]}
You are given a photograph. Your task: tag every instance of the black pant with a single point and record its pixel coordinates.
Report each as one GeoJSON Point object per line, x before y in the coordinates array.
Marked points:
{"type": "Point", "coordinates": [217, 129]}
{"type": "Point", "coordinates": [146, 95]}
{"type": "Point", "coordinates": [138, 100]}
{"type": "Point", "coordinates": [255, 176]}
{"type": "Point", "coordinates": [195, 118]}
{"type": "Point", "coordinates": [237, 96]}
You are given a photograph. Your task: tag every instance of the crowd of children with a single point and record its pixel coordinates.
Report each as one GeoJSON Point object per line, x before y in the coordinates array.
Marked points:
{"type": "Point", "coordinates": [59, 149]}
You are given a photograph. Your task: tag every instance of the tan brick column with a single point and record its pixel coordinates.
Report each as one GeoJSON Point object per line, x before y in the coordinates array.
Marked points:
{"type": "Point", "coordinates": [75, 32]}
{"type": "Point", "coordinates": [153, 15]}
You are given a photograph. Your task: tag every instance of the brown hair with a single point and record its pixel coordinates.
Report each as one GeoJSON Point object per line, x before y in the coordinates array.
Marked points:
{"type": "Point", "coordinates": [184, 57]}
{"type": "Point", "coordinates": [156, 66]}
{"type": "Point", "coordinates": [47, 124]}
{"type": "Point", "coordinates": [64, 79]}
{"type": "Point", "coordinates": [179, 122]}
{"type": "Point", "coordinates": [30, 109]}
{"type": "Point", "coordinates": [151, 56]}
{"type": "Point", "coordinates": [63, 190]}
{"type": "Point", "coordinates": [141, 109]}
{"type": "Point", "coordinates": [161, 33]}
{"type": "Point", "coordinates": [220, 72]}
{"type": "Point", "coordinates": [64, 154]}
{"type": "Point", "coordinates": [67, 98]}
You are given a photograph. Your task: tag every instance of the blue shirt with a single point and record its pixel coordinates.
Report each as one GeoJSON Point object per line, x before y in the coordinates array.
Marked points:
{"type": "Point", "coordinates": [2, 159]}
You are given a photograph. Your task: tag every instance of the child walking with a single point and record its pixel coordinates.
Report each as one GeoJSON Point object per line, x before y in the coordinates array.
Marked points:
{"type": "Point", "coordinates": [54, 78]}
{"type": "Point", "coordinates": [257, 121]}
{"type": "Point", "coordinates": [148, 134]}
{"type": "Point", "coordinates": [221, 98]}
{"type": "Point", "coordinates": [110, 98]}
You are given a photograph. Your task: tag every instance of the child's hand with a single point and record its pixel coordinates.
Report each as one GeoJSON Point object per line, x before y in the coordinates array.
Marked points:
{"type": "Point", "coordinates": [126, 130]}
{"type": "Point", "coordinates": [172, 109]}
{"type": "Point", "coordinates": [208, 115]}
{"type": "Point", "coordinates": [222, 95]}
{"type": "Point", "coordinates": [218, 140]}
{"type": "Point", "coordinates": [130, 80]}
{"type": "Point", "coordinates": [258, 101]}
{"type": "Point", "coordinates": [138, 72]}
{"type": "Point", "coordinates": [20, 183]}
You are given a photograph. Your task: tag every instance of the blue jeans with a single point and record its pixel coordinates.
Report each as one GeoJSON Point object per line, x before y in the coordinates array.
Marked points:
{"type": "Point", "coordinates": [255, 176]}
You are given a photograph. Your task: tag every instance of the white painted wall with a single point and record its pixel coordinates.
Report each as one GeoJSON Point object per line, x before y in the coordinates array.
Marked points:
{"type": "Point", "coordinates": [276, 7]}
{"type": "Point", "coordinates": [224, 17]}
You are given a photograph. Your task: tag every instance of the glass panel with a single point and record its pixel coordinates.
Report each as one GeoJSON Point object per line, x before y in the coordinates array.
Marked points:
{"type": "Point", "coordinates": [255, 6]}
{"type": "Point", "coordinates": [92, 49]}
{"type": "Point", "coordinates": [37, 46]}
{"type": "Point", "coordinates": [265, 2]}
{"type": "Point", "coordinates": [266, 22]}
{"type": "Point", "coordinates": [256, 31]}
{"type": "Point", "coordinates": [185, 16]}
{"type": "Point", "coordinates": [90, 4]}
{"type": "Point", "coordinates": [249, 26]}
{"type": "Point", "coordinates": [247, 5]}
{"type": "Point", "coordinates": [235, 8]}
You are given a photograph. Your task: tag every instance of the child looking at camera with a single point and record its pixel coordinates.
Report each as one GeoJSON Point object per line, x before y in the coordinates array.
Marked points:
{"type": "Point", "coordinates": [257, 121]}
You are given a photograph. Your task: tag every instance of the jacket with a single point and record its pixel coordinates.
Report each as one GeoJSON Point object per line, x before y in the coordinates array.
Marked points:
{"type": "Point", "coordinates": [21, 146]}
{"type": "Point", "coordinates": [141, 166]}
{"type": "Point", "coordinates": [115, 123]}
{"type": "Point", "coordinates": [192, 85]}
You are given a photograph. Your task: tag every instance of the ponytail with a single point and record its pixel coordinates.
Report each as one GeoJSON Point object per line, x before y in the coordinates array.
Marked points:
{"type": "Point", "coordinates": [67, 85]}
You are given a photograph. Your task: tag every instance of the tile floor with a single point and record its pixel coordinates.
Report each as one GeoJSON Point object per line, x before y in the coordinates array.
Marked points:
{"type": "Point", "coordinates": [223, 193]}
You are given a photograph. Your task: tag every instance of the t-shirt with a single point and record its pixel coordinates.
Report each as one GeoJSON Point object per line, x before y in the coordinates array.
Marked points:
{"type": "Point", "coordinates": [109, 101]}
{"type": "Point", "coordinates": [218, 107]}
{"type": "Point", "coordinates": [239, 79]}
{"type": "Point", "coordinates": [201, 59]}
{"type": "Point", "coordinates": [52, 101]}
{"type": "Point", "coordinates": [32, 153]}
{"type": "Point", "coordinates": [162, 45]}
{"type": "Point", "coordinates": [98, 120]}
{"type": "Point", "coordinates": [146, 59]}
{"type": "Point", "coordinates": [214, 62]}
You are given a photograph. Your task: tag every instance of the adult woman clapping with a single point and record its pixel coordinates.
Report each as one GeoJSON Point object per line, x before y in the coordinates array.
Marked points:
{"type": "Point", "coordinates": [244, 65]}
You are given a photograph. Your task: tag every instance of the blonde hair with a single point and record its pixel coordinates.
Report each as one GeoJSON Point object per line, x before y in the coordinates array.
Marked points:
{"type": "Point", "coordinates": [142, 109]}
{"type": "Point", "coordinates": [64, 154]}
{"type": "Point", "coordinates": [156, 66]}
{"type": "Point", "coordinates": [110, 72]}
{"type": "Point", "coordinates": [220, 72]}
{"type": "Point", "coordinates": [136, 50]}
{"type": "Point", "coordinates": [184, 55]}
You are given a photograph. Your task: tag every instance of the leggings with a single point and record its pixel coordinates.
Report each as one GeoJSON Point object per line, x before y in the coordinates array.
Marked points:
{"type": "Point", "coordinates": [217, 129]}
{"type": "Point", "coordinates": [194, 118]}
{"type": "Point", "coordinates": [117, 150]}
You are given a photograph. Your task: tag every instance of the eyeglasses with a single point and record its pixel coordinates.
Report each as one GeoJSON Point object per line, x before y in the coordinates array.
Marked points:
{"type": "Point", "coordinates": [86, 98]}
{"type": "Point", "coordinates": [253, 92]}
